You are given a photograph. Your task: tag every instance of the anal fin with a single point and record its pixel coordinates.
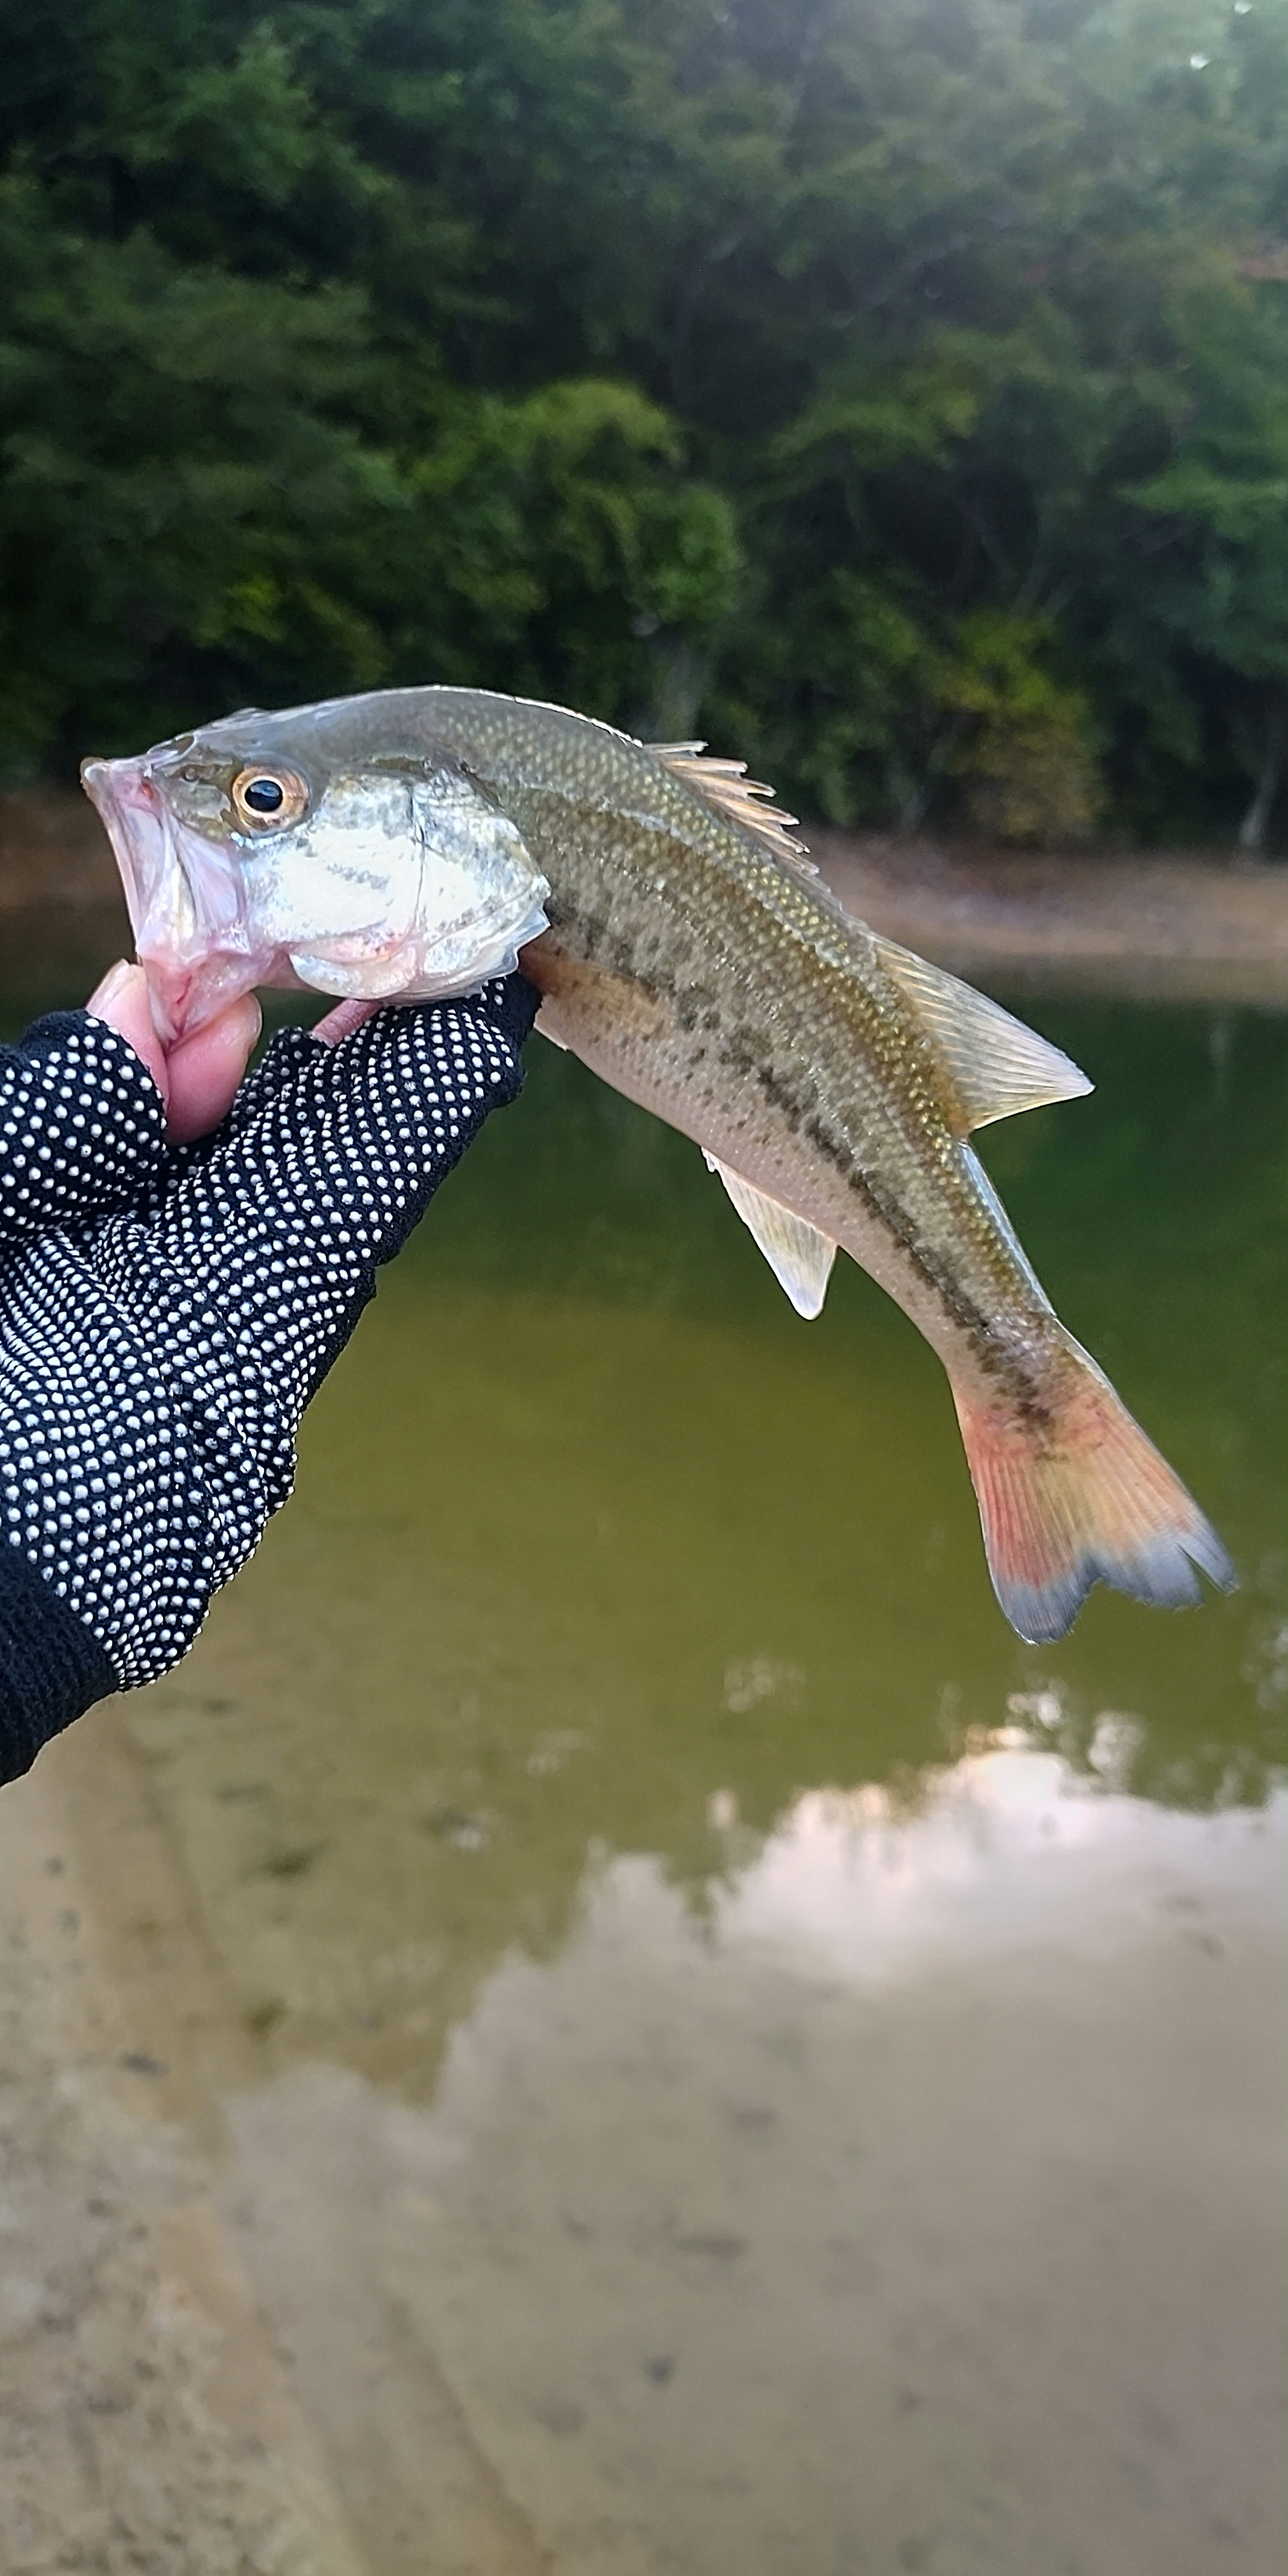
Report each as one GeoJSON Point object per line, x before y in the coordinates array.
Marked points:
{"type": "Point", "coordinates": [800, 1257]}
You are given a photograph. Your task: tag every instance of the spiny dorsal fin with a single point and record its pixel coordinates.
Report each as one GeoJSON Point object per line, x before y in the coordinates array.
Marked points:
{"type": "Point", "coordinates": [800, 1257]}
{"type": "Point", "coordinates": [995, 1065]}
{"type": "Point", "coordinates": [726, 788]}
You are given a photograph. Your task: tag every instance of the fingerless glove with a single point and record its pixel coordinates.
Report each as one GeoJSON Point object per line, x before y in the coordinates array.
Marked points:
{"type": "Point", "coordinates": [166, 1314]}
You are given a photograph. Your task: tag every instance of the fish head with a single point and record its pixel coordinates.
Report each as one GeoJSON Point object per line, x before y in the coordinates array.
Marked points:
{"type": "Point", "coordinates": [288, 850]}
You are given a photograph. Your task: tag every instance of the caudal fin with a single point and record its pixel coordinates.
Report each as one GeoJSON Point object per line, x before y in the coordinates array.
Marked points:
{"type": "Point", "coordinates": [1072, 1493]}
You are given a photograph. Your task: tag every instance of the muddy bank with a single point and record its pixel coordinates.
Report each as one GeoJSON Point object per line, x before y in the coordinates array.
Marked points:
{"type": "Point", "coordinates": [54, 853]}
{"type": "Point", "coordinates": [1153, 925]}
{"type": "Point", "coordinates": [1165, 926]}
{"type": "Point", "coordinates": [178, 2395]}
{"type": "Point", "coordinates": [148, 2425]}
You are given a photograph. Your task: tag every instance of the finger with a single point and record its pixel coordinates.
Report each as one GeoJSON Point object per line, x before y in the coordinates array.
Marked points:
{"type": "Point", "coordinates": [204, 1070]}
{"type": "Point", "coordinates": [122, 1001]}
{"type": "Point", "coordinates": [343, 1020]}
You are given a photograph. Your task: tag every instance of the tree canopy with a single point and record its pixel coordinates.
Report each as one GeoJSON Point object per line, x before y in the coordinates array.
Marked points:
{"type": "Point", "coordinates": [893, 390]}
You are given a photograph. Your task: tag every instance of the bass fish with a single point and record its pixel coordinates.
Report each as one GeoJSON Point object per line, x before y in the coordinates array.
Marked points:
{"type": "Point", "coordinates": [413, 842]}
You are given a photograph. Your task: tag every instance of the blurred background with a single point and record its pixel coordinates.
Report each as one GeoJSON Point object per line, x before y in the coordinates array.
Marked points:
{"type": "Point", "coordinates": [895, 391]}
{"type": "Point", "coordinates": [611, 2019]}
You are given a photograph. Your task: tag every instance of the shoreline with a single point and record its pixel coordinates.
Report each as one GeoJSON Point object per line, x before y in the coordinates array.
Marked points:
{"type": "Point", "coordinates": [1166, 926]}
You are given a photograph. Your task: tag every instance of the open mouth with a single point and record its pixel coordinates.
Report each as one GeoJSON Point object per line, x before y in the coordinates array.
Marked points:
{"type": "Point", "coordinates": [206, 930]}
{"type": "Point", "coordinates": [182, 898]}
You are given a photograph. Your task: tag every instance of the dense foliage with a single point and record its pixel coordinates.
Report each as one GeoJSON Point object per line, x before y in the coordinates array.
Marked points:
{"type": "Point", "coordinates": [892, 389]}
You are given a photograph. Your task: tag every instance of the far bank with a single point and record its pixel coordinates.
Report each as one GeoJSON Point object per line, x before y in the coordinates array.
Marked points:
{"type": "Point", "coordinates": [1167, 925]}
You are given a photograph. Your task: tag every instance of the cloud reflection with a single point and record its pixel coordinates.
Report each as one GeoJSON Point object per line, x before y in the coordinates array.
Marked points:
{"type": "Point", "coordinates": [1011, 1844]}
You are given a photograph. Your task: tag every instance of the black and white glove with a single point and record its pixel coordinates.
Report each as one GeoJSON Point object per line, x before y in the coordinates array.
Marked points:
{"type": "Point", "coordinates": [167, 1312]}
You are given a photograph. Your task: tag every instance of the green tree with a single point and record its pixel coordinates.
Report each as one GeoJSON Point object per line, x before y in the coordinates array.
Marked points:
{"type": "Point", "coordinates": [890, 387]}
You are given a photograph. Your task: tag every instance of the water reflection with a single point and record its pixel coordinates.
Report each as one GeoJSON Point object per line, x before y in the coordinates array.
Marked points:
{"type": "Point", "coordinates": [1011, 1844]}
{"type": "Point", "coordinates": [910, 2203]}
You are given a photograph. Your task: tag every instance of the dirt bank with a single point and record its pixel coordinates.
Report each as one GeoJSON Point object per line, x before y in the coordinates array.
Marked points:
{"type": "Point", "coordinates": [161, 2412]}
{"type": "Point", "coordinates": [1165, 925]}
{"type": "Point", "coordinates": [53, 851]}
{"type": "Point", "coordinates": [148, 2426]}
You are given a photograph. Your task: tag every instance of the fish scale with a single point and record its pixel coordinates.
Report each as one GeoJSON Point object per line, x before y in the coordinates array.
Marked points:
{"type": "Point", "coordinates": [686, 951]}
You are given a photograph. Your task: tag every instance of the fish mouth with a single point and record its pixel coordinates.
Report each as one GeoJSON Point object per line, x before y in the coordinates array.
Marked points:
{"type": "Point", "coordinates": [202, 937]}
{"type": "Point", "coordinates": [185, 905]}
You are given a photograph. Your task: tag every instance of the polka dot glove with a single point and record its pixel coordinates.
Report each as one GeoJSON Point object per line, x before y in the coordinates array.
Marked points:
{"type": "Point", "coordinates": [81, 1125]}
{"type": "Point", "coordinates": [166, 1314]}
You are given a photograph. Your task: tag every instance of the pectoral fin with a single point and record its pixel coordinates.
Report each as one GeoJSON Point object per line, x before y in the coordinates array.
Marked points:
{"type": "Point", "coordinates": [994, 1064]}
{"type": "Point", "coordinates": [800, 1257]}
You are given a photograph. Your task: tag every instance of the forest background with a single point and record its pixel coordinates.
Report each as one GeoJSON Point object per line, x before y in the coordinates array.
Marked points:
{"type": "Point", "coordinates": [896, 394]}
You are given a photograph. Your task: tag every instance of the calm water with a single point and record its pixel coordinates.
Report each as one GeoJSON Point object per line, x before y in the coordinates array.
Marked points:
{"type": "Point", "coordinates": [797, 2067]}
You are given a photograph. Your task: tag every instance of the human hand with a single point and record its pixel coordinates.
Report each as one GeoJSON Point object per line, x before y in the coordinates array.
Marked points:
{"type": "Point", "coordinates": [166, 1312]}
{"type": "Point", "coordinates": [197, 1078]}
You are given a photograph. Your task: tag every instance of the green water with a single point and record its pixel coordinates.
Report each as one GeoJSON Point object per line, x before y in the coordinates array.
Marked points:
{"type": "Point", "coordinates": [615, 1764]}
{"type": "Point", "coordinates": [592, 1531]}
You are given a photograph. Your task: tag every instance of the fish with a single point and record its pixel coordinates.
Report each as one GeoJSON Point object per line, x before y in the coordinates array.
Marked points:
{"type": "Point", "coordinates": [413, 842]}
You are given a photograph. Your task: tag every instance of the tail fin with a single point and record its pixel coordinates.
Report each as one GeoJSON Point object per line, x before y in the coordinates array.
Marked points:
{"type": "Point", "coordinates": [1074, 1495]}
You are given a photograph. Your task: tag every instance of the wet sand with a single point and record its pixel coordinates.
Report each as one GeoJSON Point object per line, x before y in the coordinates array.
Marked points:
{"type": "Point", "coordinates": [147, 2417]}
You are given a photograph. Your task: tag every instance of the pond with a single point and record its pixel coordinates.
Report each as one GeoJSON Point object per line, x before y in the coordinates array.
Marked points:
{"type": "Point", "coordinates": [757, 2069]}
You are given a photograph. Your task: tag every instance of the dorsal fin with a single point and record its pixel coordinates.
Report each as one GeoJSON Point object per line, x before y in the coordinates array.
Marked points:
{"type": "Point", "coordinates": [800, 1257]}
{"type": "Point", "coordinates": [995, 1065]}
{"type": "Point", "coordinates": [726, 788]}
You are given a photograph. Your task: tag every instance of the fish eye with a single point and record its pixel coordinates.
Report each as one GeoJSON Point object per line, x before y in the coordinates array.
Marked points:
{"type": "Point", "coordinates": [265, 798]}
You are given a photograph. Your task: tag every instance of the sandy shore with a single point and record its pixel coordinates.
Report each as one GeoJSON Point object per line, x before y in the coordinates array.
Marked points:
{"type": "Point", "coordinates": [148, 2424]}
{"type": "Point", "coordinates": [1166, 926]}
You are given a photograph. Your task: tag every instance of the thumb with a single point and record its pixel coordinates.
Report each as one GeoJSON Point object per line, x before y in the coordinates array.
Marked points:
{"type": "Point", "coordinates": [204, 1071]}
{"type": "Point", "coordinates": [197, 1078]}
